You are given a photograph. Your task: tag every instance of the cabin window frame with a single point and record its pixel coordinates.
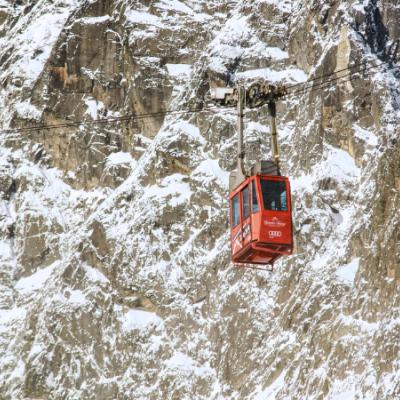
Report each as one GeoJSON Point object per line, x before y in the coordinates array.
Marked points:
{"type": "Point", "coordinates": [265, 198]}
{"type": "Point", "coordinates": [254, 197]}
{"type": "Point", "coordinates": [248, 204]}
{"type": "Point", "coordinates": [235, 211]}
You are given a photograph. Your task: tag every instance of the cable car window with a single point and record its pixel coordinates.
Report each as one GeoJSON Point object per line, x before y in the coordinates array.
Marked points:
{"type": "Point", "coordinates": [235, 210]}
{"type": "Point", "coordinates": [274, 195]}
{"type": "Point", "coordinates": [246, 202]}
{"type": "Point", "coordinates": [254, 201]}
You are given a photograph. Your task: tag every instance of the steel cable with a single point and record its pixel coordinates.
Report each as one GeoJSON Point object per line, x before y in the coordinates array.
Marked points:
{"type": "Point", "coordinates": [124, 118]}
{"type": "Point", "coordinates": [331, 82]}
{"type": "Point", "coordinates": [138, 117]}
{"type": "Point", "coordinates": [331, 74]}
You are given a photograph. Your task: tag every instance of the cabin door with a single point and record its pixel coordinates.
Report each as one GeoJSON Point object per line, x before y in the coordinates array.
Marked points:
{"type": "Point", "coordinates": [236, 226]}
{"type": "Point", "coordinates": [246, 220]}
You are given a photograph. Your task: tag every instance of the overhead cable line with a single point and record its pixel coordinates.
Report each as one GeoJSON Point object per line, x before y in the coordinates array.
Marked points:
{"type": "Point", "coordinates": [349, 78]}
{"type": "Point", "coordinates": [124, 118]}
{"type": "Point", "coordinates": [338, 80]}
{"type": "Point", "coordinates": [329, 82]}
{"type": "Point", "coordinates": [137, 117]}
{"type": "Point", "coordinates": [362, 67]}
{"type": "Point", "coordinates": [332, 73]}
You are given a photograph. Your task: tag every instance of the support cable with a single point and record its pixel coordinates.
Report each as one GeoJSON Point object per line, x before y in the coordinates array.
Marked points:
{"type": "Point", "coordinates": [330, 81]}
{"type": "Point", "coordinates": [350, 76]}
{"type": "Point", "coordinates": [124, 118]}
{"type": "Point", "coordinates": [349, 68]}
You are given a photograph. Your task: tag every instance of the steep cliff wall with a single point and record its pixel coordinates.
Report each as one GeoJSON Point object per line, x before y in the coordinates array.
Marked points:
{"type": "Point", "coordinates": [115, 273]}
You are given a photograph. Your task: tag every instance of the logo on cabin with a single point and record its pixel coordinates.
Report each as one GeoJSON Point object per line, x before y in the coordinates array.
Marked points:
{"type": "Point", "coordinates": [274, 222]}
{"type": "Point", "coordinates": [274, 234]}
{"type": "Point", "coordinates": [237, 235]}
{"type": "Point", "coordinates": [236, 241]}
{"type": "Point", "coordinates": [246, 231]}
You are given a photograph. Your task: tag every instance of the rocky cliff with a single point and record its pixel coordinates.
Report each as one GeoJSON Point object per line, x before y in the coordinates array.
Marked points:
{"type": "Point", "coordinates": [115, 273]}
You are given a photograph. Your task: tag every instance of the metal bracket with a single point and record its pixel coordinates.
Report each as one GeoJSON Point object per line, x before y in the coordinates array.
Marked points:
{"type": "Point", "coordinates": [256, 95]}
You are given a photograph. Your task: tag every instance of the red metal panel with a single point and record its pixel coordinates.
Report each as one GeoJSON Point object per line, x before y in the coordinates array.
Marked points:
{"type": "Point", "coordinates": [246, 222]}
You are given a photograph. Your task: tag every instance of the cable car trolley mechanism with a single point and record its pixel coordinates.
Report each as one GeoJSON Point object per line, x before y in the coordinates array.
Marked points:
{"type": "Point", "coordinates": [260, 202]}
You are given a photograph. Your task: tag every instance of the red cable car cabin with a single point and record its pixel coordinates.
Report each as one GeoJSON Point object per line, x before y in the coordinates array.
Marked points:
{"type": "Point", "coordinates": [261, 220]}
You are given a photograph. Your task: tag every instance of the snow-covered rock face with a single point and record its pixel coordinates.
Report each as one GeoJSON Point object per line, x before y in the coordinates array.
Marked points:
{"type": "Point", "coordinates": [115, 273]}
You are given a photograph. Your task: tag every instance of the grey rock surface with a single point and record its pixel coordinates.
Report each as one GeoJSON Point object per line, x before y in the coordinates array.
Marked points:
{"type": "Point", "coordinates": [115, 272]}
